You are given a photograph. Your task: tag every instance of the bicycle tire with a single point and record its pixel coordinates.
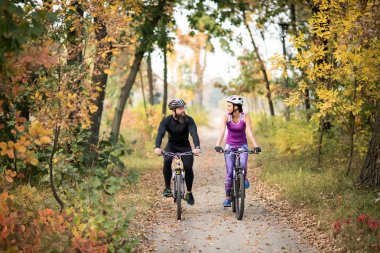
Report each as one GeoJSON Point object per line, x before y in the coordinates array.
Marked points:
{"type": "Point", "coordinates": [178, 195]}
{"type": "Point", "coordinates": [232, 197]}
{"type": "Point", "coordinates": [240, 197]}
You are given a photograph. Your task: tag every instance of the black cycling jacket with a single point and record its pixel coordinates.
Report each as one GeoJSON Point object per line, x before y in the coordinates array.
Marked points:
{"type": "Point", "coordinates": [178, 133]}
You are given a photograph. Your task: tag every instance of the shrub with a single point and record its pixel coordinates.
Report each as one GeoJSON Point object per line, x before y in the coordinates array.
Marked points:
{"type": "Point", "coordinates": [358, 234]}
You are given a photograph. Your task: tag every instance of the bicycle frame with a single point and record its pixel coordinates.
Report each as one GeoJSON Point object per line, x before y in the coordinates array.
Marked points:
{"type": "Point", "coordinates": [178, 179]}
{"type": "Point", "coordinates": [237, 153]}
{"type": "Point", "coordinates": [238, 189]}
{"type": "Point", "coordinates": [178, 170]}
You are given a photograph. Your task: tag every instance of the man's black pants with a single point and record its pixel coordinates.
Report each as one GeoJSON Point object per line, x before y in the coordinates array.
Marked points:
{"type": "Point", "coordinates": [187, 161]}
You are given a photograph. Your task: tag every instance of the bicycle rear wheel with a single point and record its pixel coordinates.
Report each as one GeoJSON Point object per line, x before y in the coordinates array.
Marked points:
{"type": "Point", "coordinates": [178, 195]}
{"type": "Point", "coordinates": [239, 196]}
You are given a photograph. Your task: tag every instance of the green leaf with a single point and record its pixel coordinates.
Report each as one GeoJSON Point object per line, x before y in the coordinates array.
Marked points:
{"type": "Point", "coordinates": [96, 182]}
{"type": "Point", "coordinates": [76, 220]}
{"type": "Point", "coordinates": [115, 160]}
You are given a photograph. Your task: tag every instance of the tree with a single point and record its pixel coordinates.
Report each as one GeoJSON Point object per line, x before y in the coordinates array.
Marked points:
{"type": "Point", "coordinates": [341, 65]}
{"type": "Point", "coordinates": [370, 173]}
{"type": "Point", "coordinates": [150, 79]}
{"type": "Point", "coordinates": [99, 79]}
{"type": "Point", "coordinates": [197, 42]}
{"type": "Point", "coordinates": [146, 40]}
{"type": "Point", "coordinates": [262, 65]}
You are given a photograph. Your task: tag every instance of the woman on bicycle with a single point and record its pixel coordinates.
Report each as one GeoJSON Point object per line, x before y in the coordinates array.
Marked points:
{"type": "Point", "coordinates": [239, 127]}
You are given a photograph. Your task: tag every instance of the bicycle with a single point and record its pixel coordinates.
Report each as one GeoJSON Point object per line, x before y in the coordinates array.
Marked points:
{"type": "Point", "coordinates": [237, 194]}
{"type": "Point", "coordinates": [178, 179]}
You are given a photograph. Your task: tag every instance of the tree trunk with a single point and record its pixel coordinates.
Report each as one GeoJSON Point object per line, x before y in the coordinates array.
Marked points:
{"type": "Point", "coordinates": [165, 96]}
{"type": "Point", "coordinates": [124, 95]}
{"type": "Point", "coordinates": [199, 75]}
{"type": "Point", "coordinates": [99, 78]}
{"type": "Point", "coordinates": [352, 131]}
{"type": "Point", "coordinates": [324, 121]}
{"type": "Point", "coordinates": [52, 183]}
{"type": "Point", "coordinates": [295, 33]}
{"type": "Point", "coordinates": [263, 70]}
{"type": "Point", "coordinates": [320, 140]}
{"type": "Point", "coordinates": [140, 51]}
{"type": "Point", "coordinates": [286, 83]}
{"type": "Point", "coordinates": [150, 80]}
{"type": "Point", "coordinates": [370, 173]}
{"type": "Point", "coordinates": [74, 36]}
{"type": "Point", "coordinates": [143, 94]}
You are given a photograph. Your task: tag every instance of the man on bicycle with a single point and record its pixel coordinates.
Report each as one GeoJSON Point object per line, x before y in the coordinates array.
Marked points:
{"type": "Point", "coordinates": [178, 125]}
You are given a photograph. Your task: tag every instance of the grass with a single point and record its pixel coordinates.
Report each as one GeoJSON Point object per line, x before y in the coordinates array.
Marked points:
{"type": "Point", "coordinates": [336, 200]}
{"type": "Point", "coordinates": [327, 192]}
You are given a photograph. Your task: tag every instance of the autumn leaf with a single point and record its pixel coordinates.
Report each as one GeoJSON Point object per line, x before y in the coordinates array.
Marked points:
{"type": "Point", "coordinates": [93, 108]}
{"type": "Point", "coordinates": [37, 142]}
{"type": "Point", "coordinates": [20, 128]}
{"type": "Point", "coordinates": [36, 129]}
{"type": "Point", "coordinates": [19, 147]}
{"type": "Point", "coordinates": [20, 119]}
{"type": "Point", "coordinates": [108, 72]}
{"type": "Point", "coordinates": [9, 179]}
{"type": "Point", "coordinates": [7, 149]}
{"type": "Point", "coordinates": [33, 161]}
{"type": "Point", "coordinates": [45, 140]}
{"type": "Point", "coordinates": [31, 158]}
{"type": "Point", "coordinates": [10, 173]}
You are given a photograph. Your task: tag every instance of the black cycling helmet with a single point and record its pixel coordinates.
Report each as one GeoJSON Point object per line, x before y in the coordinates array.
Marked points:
{"type": "Point", "coordinates": [176, 103]}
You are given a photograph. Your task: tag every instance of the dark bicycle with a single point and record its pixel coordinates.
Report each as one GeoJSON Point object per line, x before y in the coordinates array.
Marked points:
{"type": "Point", "coordinates": [178, 179]}
{"type": "Point", "coordinates": [237, 194]}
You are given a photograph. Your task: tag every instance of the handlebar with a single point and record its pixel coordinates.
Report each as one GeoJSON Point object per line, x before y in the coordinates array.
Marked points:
{"type": "Point", "coordinates": [238, 152]}
{"type": "Point", "coordinates": [177, 154]}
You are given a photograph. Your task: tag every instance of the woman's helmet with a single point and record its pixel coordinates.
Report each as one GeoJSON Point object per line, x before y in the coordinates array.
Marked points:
{"type": "Point", "coordinates": [176, 103]}
{"type": "Point", "coordinates": [236, 100]}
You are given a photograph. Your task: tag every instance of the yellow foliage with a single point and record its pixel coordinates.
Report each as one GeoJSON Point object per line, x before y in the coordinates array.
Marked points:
{"type": "Point", "coordinates": [36, 129]}
{"type": "Point", "coordinates": [295, 99]}
{"type": "Point", "coordinates": [343, 55]}
{"type": "Point", "coordinates": [294, 138]}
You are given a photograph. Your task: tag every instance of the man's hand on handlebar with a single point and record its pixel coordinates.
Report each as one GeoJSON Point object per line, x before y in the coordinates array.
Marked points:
{"type": "Point", "coordinates": [158, 151]}
{"type": "Point", "coordinates": [196, 151]}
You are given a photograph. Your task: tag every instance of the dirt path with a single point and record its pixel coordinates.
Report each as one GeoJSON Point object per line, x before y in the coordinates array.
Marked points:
{"type": "Point", "coordinates": [208, 227]}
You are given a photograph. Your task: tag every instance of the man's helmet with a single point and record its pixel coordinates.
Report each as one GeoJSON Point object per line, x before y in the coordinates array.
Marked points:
{"type": "Point", "coordinates": [236, 100]}
{"type": "Point", "coordinates": [176, 103]}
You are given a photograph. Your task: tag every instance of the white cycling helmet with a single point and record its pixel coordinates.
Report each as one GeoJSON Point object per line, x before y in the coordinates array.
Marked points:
{"type": "Point", "coordinates": [236, 100]}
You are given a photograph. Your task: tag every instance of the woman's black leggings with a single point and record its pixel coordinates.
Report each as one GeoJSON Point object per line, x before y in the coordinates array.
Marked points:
{"type": "Point", "coordinates": [187, 161]}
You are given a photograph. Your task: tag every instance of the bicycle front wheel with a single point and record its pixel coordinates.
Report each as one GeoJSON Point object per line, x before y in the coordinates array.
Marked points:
{"type": "Point", "coordinates": [178, 195]}
{"type": "Point", "coordinates": [232, 197]}
{"type": "Point", "coordinates": [239, 196]}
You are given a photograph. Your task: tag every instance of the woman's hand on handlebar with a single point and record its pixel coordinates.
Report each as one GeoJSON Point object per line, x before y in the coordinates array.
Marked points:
{"type": "Point", "coordinates": [219, 149]}
{"type": "Point", "coordinates": [257, 150]}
